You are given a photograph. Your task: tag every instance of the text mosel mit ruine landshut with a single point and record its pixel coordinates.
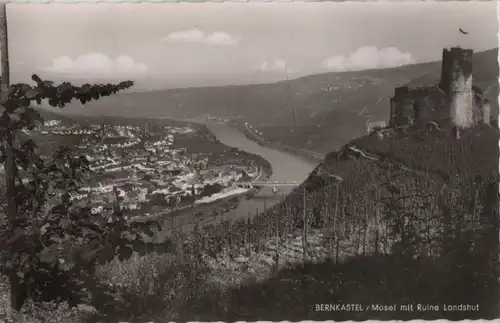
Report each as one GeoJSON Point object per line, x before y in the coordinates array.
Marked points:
{"type": "Point", "coordinates": [394, 307]}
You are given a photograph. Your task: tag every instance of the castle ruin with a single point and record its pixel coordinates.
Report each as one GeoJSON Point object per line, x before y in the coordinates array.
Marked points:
{"type": "Point", "coordinates": [454, 101]}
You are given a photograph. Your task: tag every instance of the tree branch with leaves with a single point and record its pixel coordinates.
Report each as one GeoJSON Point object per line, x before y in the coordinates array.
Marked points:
{"type": "Point", "coordinates": [47, 235]}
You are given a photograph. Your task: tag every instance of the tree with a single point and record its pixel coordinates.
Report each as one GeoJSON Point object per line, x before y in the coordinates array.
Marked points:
{"type": "Point", "coordinates": [32, 182]}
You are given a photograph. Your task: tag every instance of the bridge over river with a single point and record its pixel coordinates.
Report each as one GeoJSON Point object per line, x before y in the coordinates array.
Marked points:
{"type": "Point", "coordinates": [270, 184]}
{"type": "Point", "coordinates": [288, 172]}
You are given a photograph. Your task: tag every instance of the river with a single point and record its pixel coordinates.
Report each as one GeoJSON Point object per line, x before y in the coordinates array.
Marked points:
{"type": "Point", "coordinates": [286, 167]}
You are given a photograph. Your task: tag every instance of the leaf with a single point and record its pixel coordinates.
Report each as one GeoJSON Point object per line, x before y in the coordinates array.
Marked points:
{"type": "Point", "coordinates": [65, 224]}
{"type": "Point", "coordinates": [64, 265]}
{"type": "Point", "coordinates": [56, 239]}
{"type": "Point", "coordinates": [87, 309]}
{"type": "Point", "coordinates": [32, 116]}
{"type": "Point", "coordinates": [88, 255]}
{"type": "Point", "coordinates": [18, 233]}
{"type": "Point", "coordinates": [141, 248]}
{"type": "Point", "coordinates": [14, 118]}
{"type": "Point", "coordinates": [35, 78]}
{"type": "Point", "coordinates": [124, 253]}
{"type": "Point", "coordinates": [44, 228]}
{"type": "Point", "coordinates": [105, 254]}
{"type": "Point", "coordinates": [128, 236]}
{"type": "Point", "coordinates": [49, 255]}
{"type": "Point", "coordinates": [31, 94]}
{"type": "Point", "coordinates": [22, 157]}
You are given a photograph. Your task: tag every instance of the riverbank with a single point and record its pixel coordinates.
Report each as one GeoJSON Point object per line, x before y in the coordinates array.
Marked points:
{"type": "Point", "coordinates": [185, 217]}
{"type": "Point", "coordinates": [282, 166]}
{"type": "Point", "coordinates": [205, 211]}
{"type": "Point", "coordinates": [309, 156]}
{"type": "Point", "coordinates": [264, 165]}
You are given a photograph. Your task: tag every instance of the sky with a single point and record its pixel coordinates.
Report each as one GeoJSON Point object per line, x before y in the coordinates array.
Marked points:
{"type": "Point", "coordinates": [211, 44]}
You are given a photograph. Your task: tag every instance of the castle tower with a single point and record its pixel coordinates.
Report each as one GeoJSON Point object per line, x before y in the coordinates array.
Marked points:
{"type": "Point", "coordinates": [456, 82]}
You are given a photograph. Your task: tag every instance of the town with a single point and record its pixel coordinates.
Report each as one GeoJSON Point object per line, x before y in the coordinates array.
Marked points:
{"type": "Point", "coordinates": [148, 170]}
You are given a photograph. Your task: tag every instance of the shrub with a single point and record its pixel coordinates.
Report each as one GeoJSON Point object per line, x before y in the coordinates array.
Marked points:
{"type": "Point", "coordinates": [152, 284]}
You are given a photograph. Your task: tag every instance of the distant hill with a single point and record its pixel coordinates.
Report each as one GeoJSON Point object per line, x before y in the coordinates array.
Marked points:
{"type": "Point", "coordinates": [331, 129]}
{"type": "Point", "coordinates": [330, 108]}
{"type": "Point", "coordinates": [58, 114]}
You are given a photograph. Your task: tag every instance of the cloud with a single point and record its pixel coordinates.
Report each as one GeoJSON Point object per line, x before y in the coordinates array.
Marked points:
{"type": "Point", "coordinates": [97, 64]}
{"type": "Point", "coordinates": [368, 57]}
{"type": "Point", "coordinates": [195, 35]}
{"type": "Point", "coordinates": [277, 65]}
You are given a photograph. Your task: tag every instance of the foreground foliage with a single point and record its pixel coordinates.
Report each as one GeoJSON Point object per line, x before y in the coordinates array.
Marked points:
{"type": "Point", "coordinates": [51, 245]}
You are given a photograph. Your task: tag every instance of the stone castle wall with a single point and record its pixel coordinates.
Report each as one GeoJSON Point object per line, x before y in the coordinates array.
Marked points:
{"type": "Point", "coordinates": [453, 100]}
{"type": "Point", "coordinates": [419, 104]}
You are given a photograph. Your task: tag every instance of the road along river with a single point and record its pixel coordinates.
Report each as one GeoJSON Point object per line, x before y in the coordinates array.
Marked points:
{"type": "Point", "coordinates": [286, 167]}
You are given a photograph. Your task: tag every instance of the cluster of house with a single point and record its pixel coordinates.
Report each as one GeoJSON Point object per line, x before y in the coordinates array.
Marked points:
{"type": "Point", "coordinates": [144, 173]}
{"type": "Point", "coordinates": [160, 191]}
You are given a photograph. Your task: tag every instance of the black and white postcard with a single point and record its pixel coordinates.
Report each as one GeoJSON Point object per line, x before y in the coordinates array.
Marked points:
{"type": "Point", "coordinates": [257, 161]}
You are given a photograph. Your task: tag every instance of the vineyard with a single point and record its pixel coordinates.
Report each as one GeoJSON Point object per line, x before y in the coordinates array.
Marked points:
{"type": "Point", "coordinates": [405, 224]}
{"type": "Point", "coordinates": [473, 154]}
